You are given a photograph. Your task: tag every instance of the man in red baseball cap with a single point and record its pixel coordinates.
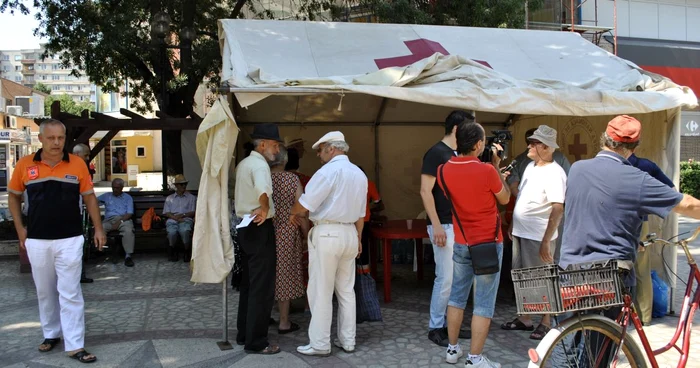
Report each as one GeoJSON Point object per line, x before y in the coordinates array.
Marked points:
{"type": "Point", "coordinates": [607, 198]}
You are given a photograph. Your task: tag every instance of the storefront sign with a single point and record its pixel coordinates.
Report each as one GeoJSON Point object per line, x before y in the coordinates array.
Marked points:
{"type": "Point", "coordinates": [5, 134]}
{"type": "Point", "coordinates": [690, 124]}
{"type": "Point", "coordinates": [132, 172]}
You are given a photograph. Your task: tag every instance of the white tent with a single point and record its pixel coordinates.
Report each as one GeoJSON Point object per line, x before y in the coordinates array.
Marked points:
{"type": "Point", "coordinates": [389, 87]}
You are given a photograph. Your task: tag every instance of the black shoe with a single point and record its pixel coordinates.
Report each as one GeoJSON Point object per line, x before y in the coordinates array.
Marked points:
{"type": "Point", "coordinates": [85, 280]}
{"type": "Point", "coordinates": [465, 334]}
{"type": "Point", "coordinates": [438, 336]}
{"type": "Point", "coordinates": [187, 256]}
{"type": "Point", "coordinates": [172, 254]}
{"type": "Point", "coordinates": [128, 262]}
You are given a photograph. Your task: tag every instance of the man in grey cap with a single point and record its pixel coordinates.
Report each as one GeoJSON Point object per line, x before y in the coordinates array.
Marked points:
{"type": "Point", "coordinates": [336, 198]}
{"type": "Point", "coordinates": [538, 211]}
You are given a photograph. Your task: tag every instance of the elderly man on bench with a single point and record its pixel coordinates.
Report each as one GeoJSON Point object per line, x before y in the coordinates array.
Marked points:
{"type": "Point", "coordinates": [119, 208]}
{"type": "Point", "coordinates": [179, 209]}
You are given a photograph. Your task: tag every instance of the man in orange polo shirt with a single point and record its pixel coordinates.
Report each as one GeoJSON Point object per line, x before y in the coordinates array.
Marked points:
{"type": "Point", "coordinates": [53, 238]}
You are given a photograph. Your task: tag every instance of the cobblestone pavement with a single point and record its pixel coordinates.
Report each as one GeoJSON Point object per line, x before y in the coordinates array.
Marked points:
{"type": "Point", "coordinates": [152, 316]}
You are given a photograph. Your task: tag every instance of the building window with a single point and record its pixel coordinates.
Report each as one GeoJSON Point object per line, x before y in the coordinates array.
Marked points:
{"type": "Point", "coordinates": [55, 66]}
{"type": "Point", "coordinates": [43, 77]}
{"type": "Point", "coordinates": [55, 87]}
{"type": "Point", "coordinates": [6, 68]}
{"type": "Point", "coordinates": [18, 68]}
{"type": "Point", "coordinates": [55, 77]}
{"type": "Point", "coordinates": [6, 57]}
{"type": "Point", "coordinates": [118, 153]}
{"type": "Point", "coordinates": [140, 151]}
{"type": "Point", "coordinates": [18, 78]}
{"type": "Point", "coordinates": [18, 57]}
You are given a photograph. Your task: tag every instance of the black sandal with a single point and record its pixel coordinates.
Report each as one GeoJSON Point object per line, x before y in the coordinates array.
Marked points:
{"type": "Point", "coordinates": [83, 357]}
{"type": "Point", "coordinates": [516, 324]}
{"type": "Point", "coordinates": [292, 327]}
{"type": "Point", "coordinates": [51, 343]}
{"type": "Point", "coordinates": [540, 332]}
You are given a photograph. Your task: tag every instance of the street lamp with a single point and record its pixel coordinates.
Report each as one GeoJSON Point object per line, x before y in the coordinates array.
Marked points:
{"type": "Point", "coordinates": [160, 29]}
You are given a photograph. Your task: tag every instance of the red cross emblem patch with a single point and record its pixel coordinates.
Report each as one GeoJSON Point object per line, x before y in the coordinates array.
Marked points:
{"type": "Point", "coordinates": [33, 172]}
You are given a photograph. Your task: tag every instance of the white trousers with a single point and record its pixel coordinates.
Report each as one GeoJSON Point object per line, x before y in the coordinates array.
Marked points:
{"type": "Point", "coordinates": [56, 266]}
{"type": "Point", "coordinates": [332, 253]}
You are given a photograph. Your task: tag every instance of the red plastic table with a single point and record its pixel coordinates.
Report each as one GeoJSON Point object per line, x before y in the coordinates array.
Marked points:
{"type": "Point", "coordinates": [396, 229]}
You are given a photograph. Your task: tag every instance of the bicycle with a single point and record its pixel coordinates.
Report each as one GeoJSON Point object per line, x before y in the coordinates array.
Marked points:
{"type": "Point", "coordinates": [589, 339]}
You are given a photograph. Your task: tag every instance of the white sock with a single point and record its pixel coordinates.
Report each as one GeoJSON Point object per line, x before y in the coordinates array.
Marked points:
{"type": "Point", "coordinates": [475, 358]}
{"type": "Point", "coordinates": [454, 347]}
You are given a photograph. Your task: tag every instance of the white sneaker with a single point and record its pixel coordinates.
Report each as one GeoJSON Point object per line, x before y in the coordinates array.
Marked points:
{"type": "Point", "coordinates": [483, 363]}
{"type": "Point", "coordinates": [308, 350]}
{"type": "Point", "coordinates": [452, 356]}
{"type": "Point", "coordinates": [346, 348]}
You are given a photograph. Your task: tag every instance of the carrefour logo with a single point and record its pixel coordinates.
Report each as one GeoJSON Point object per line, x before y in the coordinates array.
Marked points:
{"type": "Point", "coordinates": [692, 126]}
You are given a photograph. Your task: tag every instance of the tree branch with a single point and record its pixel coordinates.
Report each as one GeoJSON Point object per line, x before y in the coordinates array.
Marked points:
{"type": "Point", "coordinates": [237, 9]}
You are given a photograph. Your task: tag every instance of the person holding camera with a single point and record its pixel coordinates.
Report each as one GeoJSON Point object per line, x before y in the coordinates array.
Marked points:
{"type": "Point", "coordinates": [474, 189]}
{"type": "Point", "coordinates": [437, 209]}
{"type": "Point", "coordinates": [538, 212]}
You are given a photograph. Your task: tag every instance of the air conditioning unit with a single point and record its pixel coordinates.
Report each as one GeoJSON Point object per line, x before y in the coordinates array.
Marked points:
{"type": "Point", "coordinates": [14, 110]}
{"type": "Point", "coordinates": [11, 122]}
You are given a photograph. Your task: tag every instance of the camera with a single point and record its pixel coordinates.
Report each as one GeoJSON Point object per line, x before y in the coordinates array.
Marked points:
{"type": "Point", "coordinates": [500, 137]}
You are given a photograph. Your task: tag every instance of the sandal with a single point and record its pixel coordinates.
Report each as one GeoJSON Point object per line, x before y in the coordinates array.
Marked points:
{"type": "Point", "coordinates": [539, 332]}
{"type": "Point", "coordinates": [83, 357]}
{"type": "Point", "coordinates": [516, 324]}
{"type": "Point", "coordinates": [269, 350]}
{"type": "Point", "coordinates": [49, 344]}
{"type": "Point", "coordinates": [292, 327]}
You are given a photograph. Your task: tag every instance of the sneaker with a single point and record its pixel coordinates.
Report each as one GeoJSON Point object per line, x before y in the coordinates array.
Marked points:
{"type": "Point", "coordinates": [346, 348]}
{"type": "Point", "coordinates": [308, 350]}
{"type": "Point", "coordinates": [438, 336]}
{"type": "Point", "coordinates": [483, 363]}
{"type": "Point", "coordinates": [453, 355]}
{"type": "Point", "coordinates": [128, 262]}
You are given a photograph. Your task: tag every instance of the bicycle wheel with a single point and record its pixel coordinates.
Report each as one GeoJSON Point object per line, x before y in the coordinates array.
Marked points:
{"type": "Point", "coordinates": [591, 341]}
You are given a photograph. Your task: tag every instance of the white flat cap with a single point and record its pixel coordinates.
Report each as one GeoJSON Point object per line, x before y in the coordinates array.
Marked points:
{"type": "Point", "coordinates": [330, 137]}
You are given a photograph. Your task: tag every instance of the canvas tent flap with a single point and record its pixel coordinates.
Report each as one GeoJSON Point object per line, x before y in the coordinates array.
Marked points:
{"type": "Point", "coordinates": [492, 70]}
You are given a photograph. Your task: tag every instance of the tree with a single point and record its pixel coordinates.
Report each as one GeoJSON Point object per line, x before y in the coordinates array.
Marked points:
{"type": "Point", "coordinates": [111, 40]}
{"type": "Point", "coordinates": [41, 87]}
{"type": "Point", "coordinates": [68, 104]}
{"type": "Point", "coordinates": [471, 13]}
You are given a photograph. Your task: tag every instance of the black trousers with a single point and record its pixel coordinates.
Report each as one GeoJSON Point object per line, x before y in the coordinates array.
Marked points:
{"type": "Point", "coordinates": [257, 295]}
{"type": "Point", "coordinates": [364, 256]}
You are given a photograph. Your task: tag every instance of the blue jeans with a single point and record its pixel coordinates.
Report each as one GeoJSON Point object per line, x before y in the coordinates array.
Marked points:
{"type": "Point", "coordinates": [443, 278]}
{"type": "Point", "coordinates": [486, 285]}
{"type": "Point", "coordinates": [184, 229]}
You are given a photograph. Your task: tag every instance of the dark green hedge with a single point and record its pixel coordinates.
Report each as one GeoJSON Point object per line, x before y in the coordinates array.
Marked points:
{"type": "Point", "coordinates": [690, 178]}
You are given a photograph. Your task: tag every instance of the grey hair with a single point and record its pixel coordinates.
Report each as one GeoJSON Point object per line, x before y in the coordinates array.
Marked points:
{"type": "Point", "coordinates": [281, 158]}
{"type": "Point", "coordinates": [606, 141]}
{"type": "Point", "coordinates": [118, 181]}
{"type": "Point", "coordinates": [81, 148]}
{"type": "Point", "coordinates": [340, 146]}
{"type": "Point", "coordinates": [48, 122]}
{"type": "Point", "coordinates": [256, 143]}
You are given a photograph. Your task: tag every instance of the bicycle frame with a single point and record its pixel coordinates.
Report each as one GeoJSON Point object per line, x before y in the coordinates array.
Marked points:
{"type": "Point", "coordinates": [684, 322]}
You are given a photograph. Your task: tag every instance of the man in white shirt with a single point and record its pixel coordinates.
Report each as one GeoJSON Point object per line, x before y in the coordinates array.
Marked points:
{"type": "Point", "coordinates": [538, 211]}
{"type": "Point", "coordinates": [253, 196]}
{"type": "Point", "coordinates": [336, 197]}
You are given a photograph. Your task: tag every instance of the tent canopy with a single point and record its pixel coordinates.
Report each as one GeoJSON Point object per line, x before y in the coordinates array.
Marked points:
{"type": "Point", "coordinates": [502, 71]}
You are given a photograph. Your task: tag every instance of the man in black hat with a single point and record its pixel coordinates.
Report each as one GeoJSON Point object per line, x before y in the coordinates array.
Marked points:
{"type": "Point", "coordinates": [253, 197]}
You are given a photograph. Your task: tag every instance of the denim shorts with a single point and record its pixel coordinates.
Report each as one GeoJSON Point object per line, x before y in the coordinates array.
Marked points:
{"type": "Point", "coordinates": [463, 277]}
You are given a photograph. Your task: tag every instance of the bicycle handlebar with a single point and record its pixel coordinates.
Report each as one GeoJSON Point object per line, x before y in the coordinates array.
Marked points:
{"type": "Point", "coordinates": [695, 235]}
{"type": "Point", "coordinates": [683, 243]}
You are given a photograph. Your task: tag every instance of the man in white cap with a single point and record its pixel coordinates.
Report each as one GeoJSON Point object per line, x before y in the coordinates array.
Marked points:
{"type": "Point", "coordinates": [336, 197]}
{"type": "Point", "coordinates": [179, 209]}
{"type": "Point", "coordinates": [538, 211]}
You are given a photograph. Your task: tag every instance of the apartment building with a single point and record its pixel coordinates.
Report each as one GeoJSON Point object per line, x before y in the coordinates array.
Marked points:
{"type": "Point", "coordinates": [28, 68]}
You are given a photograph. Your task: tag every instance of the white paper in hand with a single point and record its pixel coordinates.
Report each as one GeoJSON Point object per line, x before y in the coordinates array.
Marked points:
{"type": "Point", "coordinates": [247, 219]}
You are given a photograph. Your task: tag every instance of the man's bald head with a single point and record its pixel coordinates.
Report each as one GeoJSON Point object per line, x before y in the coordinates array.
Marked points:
{"type": "Point", "coordinates": [82, 150]}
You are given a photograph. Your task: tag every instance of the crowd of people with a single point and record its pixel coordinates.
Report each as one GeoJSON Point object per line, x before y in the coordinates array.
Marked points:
{"type": "Point", "coordinates": [566, 214]}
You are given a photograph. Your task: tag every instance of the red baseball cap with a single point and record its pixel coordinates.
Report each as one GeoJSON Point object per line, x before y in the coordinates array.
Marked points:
{"type": "Point", "coordinates": [624, 128]}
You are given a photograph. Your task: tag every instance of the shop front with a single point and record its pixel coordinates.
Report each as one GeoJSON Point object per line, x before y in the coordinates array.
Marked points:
{"type": "Point", "coordinates": [14, 144]}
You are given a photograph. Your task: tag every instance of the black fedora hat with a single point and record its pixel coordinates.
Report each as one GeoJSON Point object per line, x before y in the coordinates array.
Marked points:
{"type": "Point", "coordinates": [266, 131]}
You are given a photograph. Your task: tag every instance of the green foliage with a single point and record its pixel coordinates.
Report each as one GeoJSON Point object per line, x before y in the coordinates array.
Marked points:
{"type": "Point", "coordinates": [67, 104]}
{"type": "Point", "coordinates": [690, 178]}
{"type": "Point", "coordinates": [41, 87]}
{"type": "Point", "coordinates": [472, 13]}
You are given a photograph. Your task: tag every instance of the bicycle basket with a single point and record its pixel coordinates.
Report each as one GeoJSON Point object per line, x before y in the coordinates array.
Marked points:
{"type": "Point", "coordinates": [551, 290]}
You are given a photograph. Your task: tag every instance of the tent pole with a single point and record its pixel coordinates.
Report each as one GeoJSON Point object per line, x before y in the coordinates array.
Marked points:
{"type": "Point", "coordinates": [377, 121]}
{"type": "Point", "coordinates": [225, 344]}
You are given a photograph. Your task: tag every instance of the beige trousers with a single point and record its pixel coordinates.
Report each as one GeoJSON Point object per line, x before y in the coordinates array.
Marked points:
{"type": "Point", "coordinates": [642, 267]}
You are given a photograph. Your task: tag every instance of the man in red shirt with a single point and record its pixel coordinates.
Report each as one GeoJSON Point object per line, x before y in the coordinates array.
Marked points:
{"type": "Point", "coordinates": [474, 188]}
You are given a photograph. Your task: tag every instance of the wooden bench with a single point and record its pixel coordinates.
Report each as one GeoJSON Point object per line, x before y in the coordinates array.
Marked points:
{"type": "Point", "coordinates": [154, 239]}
